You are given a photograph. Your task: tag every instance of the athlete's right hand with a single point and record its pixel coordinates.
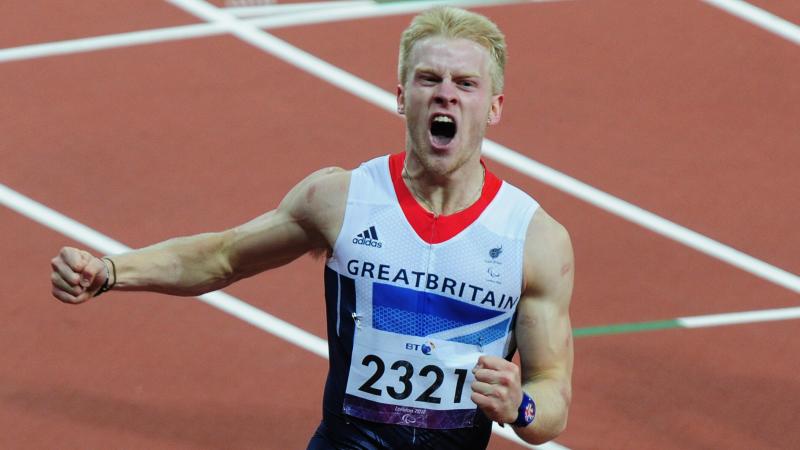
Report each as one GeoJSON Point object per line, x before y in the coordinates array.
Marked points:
{"type": "Point", "coordinates": [77, 275]}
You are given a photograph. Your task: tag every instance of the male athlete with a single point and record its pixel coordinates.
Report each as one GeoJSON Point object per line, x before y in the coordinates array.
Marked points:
{"type": "Point", "coordinates": [437, 271]}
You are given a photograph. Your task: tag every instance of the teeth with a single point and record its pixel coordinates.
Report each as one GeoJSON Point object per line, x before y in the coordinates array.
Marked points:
{"type": "Point", "coordinates": [442, 119]}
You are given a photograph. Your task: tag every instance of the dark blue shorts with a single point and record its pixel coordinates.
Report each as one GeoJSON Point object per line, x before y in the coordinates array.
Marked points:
{"type": "Point", "coordinates": [340, 432]}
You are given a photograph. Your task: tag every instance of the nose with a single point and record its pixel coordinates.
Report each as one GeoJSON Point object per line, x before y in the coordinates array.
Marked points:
{"type": "Point", "coordinates": [446, 94]}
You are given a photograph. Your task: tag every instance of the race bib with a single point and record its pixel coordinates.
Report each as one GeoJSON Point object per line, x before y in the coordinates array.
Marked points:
{"type": "Point", "coordinates": [406, 380]}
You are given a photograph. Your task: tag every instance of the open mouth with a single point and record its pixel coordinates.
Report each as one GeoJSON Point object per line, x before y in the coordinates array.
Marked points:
{"type": "Point", "coordinates": [443, 130]}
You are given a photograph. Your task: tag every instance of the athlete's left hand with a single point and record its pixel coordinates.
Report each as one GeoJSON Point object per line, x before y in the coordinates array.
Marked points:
{"type": "Point", "coordinates": [497, 389]}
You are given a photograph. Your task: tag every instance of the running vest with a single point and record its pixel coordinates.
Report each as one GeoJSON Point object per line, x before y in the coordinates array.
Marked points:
{"type": "Point", "coordinates": [413, 299]}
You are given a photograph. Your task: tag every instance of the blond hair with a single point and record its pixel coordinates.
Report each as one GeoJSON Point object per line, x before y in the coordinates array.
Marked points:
{"type": "Point", "coordinates": [449, 22]}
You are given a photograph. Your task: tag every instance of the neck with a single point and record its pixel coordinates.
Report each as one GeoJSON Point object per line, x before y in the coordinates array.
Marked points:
{"type": "Point", "coordinates": [445, 195]}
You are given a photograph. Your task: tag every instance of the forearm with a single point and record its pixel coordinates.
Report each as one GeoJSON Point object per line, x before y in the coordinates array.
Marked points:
{"type": "Point", "coordinates": [552, 398]}
{"type": "Point", "coordinates": [183, 266]}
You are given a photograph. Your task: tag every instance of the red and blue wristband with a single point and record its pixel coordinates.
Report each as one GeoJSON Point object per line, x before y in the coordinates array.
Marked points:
{"type": "Point", "coordinates": [526, 411]}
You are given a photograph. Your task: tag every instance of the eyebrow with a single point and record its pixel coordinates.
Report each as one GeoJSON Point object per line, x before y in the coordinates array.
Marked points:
{"type": "Point", "coordinates": [425, 69]}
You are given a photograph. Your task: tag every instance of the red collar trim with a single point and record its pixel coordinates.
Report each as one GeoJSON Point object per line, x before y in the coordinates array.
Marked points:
{"type": "Point", "coordinates": [435, 230]}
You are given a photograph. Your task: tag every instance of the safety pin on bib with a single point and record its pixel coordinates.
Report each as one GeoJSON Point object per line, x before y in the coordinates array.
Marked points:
{"type": "Point", "coordinates": [357, 320]}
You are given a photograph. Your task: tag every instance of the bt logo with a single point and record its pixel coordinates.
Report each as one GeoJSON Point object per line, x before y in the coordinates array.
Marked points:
{"type": "Point", "coordinates": [427, 348]}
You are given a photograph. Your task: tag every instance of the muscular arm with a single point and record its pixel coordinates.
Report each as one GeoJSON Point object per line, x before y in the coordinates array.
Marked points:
{"type": "Point", "coordinates": [544, 339]}
{"type": "Point", "coordinates": [543, 330]}
{"type": "Point", "coordinates": [307, 219]}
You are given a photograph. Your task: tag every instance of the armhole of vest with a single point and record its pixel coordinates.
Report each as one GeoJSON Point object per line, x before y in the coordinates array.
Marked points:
{"type": "Point", "coordinates": [371, 168]}
{"type": "Point", "coordinates": [346, 217]}
{"type": "Point", "coordinates": [532, 206]}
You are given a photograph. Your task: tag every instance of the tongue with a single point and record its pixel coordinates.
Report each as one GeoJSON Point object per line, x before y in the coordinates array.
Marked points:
{"type": "Point", "coordinates": [442, 133]}
{"type": "Point", "coordinates": [440, 140]}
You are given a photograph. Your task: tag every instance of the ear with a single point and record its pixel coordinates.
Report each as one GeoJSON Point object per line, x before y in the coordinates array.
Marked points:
{"type": "Point", "coordinates": [401, 106]}
{"type": "Point", "coordinates": [496, 109]}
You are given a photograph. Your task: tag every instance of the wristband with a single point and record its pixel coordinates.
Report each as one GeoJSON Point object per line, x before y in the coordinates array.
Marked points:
{"type": "Point", "coordinates": [106, 286]}
{"type": "Point", "coordinates": [526, 411]}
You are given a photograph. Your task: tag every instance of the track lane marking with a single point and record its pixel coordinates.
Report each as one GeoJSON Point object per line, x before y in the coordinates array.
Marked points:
{"type": "Point", "coordinates": [79, 232]}
{"type": "Point", "coordinates": [297, 16]}
{"type": "Point", "coordinates": [348, 82]}
{"type": "Point", "coordinates": [641, 216]}
{"type": "Point", "coordinates": [238, 308]}
{"type": "Point", "coordinates": [372, 94]}
{"type": "Point", "coordinates": [284, 8]}
{"type": "Point", "coordinates": [760, 18]}
{"type": "Point", "coordinates": [739, 318]}
{"type": "Point", "coordinates": [704, 321]}
{"type": "Point", "coordinates": [245, 313]}
{"type": "Point", "coordinates": [90, 44]}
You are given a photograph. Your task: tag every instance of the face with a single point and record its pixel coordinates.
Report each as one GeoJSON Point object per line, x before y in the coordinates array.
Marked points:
{"type": "Point", "coordinates": [448, 103]}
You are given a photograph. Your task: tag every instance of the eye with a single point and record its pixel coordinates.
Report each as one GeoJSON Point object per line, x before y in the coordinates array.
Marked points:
{"type": "Point", "coordinates": [468, 83]}
{"type": "Point", "coordinates": [428, 79]}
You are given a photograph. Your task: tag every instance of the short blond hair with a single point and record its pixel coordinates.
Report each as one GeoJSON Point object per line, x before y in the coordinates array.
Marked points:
{"type": "Point", "coordinates": [449, 22]}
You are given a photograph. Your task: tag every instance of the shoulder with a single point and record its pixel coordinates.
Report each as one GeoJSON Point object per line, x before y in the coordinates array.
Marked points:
{"type": "Point", "coordinates": [549, 260]}
{"type": "Point", "coordinates": [327, 175]}
{"type": "Point", "coordinates": [317, 203]}
{"type": "Point", "coordinates": [323, 184]}
{"type": "Point", "coordinates": [317, 192]}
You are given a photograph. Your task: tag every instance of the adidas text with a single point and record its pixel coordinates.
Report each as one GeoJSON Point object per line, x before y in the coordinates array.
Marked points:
{"type": "Point", "coordinates": [368, 242]}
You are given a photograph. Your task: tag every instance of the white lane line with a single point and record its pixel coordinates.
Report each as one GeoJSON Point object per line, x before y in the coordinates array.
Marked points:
{"type": "Point", "coordinates": [377, 96]}
{"type": "Point", "coordinates": [760, 18]}
{"type": "Point", "coordinates": [284, 330]}
{"type": "Point", "coordinates": [640, 216]}
{"type": "Point", "coordinates": [371, 9]}
{"type": "Point", "coordinates": [252, 34]}
{"type": "Point", "coordinates": [371, 5]}
{"type": "Point", "coordinates": [110, 41]}
{"type": "Point", "coordinates": [240, 309]}
{"type": "Point", "coordinates": [81, 233]}
{"type": "Point", "coordinates": [373, 94]}
{"type": "Point", "coordinates": [220, 300]}
{"type": "Point", "coordinates": [740, 318]}
{"type": "Point", "coordinates": [283, 8]}
{"type": "Point", "coordinates": [356, 10]}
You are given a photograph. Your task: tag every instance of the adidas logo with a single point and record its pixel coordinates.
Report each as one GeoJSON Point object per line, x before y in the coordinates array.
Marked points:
{"type": "Point", "coordinates": [368, 237]}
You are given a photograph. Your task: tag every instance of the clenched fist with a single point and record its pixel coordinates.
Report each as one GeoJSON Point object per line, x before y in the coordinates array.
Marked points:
{"type": "Point", "coordinates": [497, 389]}
{"type": "Point", "coordinates": [77, 275]}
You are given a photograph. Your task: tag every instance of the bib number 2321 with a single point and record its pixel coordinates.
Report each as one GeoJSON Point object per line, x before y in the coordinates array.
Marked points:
{"type": "Point", "coordinates": [400, 381]}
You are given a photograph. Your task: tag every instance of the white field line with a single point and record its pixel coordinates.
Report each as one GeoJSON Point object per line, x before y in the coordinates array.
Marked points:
{"type": "Point", "coordinates": [81, 233]}
{"type": "Point", "coordinates": [738, 318]}
{"type": "Point", "coordinates": [236, 307]}
{"type": "Point", "coordinates": [360, 5]}
{"type": "Point", "coordinates": [373, 94]}
{"type": "Point", "coordinates": [385, 100]}
{"type": "Point", "coordinates": [355, 10]}
{"type": "Point", "coordinates": [110, 41]}
{"type": "Point", "coordinates": [371, 9]}
{"type": "Point", "coordinates": [284, 330]}
{"type": "Point", "coordinates": [641, 216]}
{"type": "Point", "coordinates": [759, 18]}
{"type": "Point", "coordinates": [283, 8]}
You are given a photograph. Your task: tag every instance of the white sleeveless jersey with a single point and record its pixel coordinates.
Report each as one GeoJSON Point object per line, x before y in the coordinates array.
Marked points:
{"type": "Point", "coordinates": [413, 300]}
